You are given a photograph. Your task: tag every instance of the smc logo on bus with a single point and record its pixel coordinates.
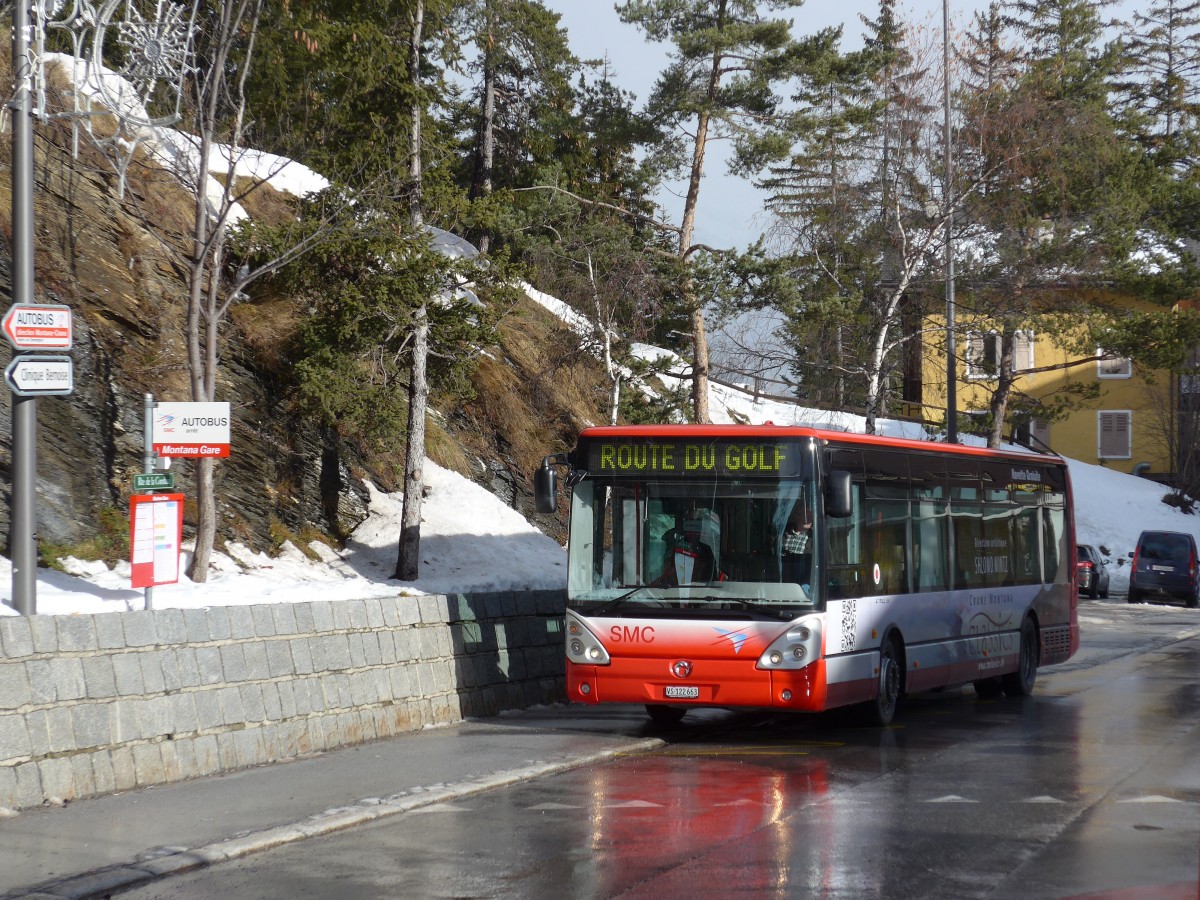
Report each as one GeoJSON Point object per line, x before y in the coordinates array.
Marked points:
{"type": "Point", "coordinates": [636, 634]}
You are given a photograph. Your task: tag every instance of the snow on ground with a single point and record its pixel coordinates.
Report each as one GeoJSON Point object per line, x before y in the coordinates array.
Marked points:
{"type": "Point", "coordinates": [470, 541]}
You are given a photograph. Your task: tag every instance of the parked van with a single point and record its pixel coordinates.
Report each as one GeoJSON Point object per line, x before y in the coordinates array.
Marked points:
{"type": "Point", "coordinates": [1164, 565]}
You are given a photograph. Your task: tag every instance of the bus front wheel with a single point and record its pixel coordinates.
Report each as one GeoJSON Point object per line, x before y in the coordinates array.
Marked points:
{"type": "Point", "coordinates": [661, 714]}
{"type": "Point", "coordinates": [882, 709]}
{"type": "Point", "coordinates": [1020, 683]}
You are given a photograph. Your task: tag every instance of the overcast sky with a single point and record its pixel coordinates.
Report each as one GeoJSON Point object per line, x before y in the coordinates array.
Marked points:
{"type": "Point", "coordinates": [728, 207]}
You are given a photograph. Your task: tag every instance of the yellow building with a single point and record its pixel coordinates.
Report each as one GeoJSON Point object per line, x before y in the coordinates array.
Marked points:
{"type": "Point", "coordinates": [1125, 427]}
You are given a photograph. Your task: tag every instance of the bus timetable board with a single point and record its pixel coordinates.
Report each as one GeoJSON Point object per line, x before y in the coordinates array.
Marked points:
{"type": "Point", "coordinates": [156, 532]}
{"type": "Point", "coordinates": [690, 458]}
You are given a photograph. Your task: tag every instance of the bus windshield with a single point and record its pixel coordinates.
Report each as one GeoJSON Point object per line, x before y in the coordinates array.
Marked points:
{"type": "Point", "coordinates": [692, 547]}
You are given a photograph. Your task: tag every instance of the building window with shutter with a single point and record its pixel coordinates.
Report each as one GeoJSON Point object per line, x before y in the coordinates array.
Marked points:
{"type": "Point", "coordinates": [983, 354]}
{"type": "Point", "coordinates": [1115, 427]}
{"type": "Point", "coordinates": [1023, 351]}
{"type": "Point", "coordinates": [1117, 367]}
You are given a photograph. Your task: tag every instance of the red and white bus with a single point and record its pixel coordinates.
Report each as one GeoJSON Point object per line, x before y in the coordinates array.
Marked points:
{"type": "Point", "coordinates": [921, 565]}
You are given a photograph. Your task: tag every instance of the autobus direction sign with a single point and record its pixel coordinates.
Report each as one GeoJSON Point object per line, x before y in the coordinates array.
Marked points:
{"type": "Point", "coordinates": [35, 326]}
{"type": "Point", "coordinates": [153, 481]}
{"type": "Point", "coordinates": [40, 376]}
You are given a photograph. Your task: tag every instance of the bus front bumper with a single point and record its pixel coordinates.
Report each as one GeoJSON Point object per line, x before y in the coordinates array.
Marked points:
{"type": "Point", "coordinates": [728, 683]}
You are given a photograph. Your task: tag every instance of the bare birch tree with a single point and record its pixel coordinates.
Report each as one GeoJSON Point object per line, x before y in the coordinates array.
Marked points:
{"type": "Point", "coordinates": [217, 99]}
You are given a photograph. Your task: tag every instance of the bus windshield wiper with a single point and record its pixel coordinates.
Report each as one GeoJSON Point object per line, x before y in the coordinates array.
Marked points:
{"type": "Point", "coordinates": [736, 602]}
{"type": "Point", "coordinates": [617, 601]}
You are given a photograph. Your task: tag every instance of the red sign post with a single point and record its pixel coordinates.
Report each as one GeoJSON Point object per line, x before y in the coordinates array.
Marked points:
{"type": "Point", "coordinates": [156, 532]}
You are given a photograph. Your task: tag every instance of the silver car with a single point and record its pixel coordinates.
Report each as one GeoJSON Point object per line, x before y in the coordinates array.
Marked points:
{"type": "Point", "coordinates": [1093, 574]}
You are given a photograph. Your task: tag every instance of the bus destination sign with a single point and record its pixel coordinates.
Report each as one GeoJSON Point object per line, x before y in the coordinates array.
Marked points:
{"type": "Point", "coordinates": [683, 458]}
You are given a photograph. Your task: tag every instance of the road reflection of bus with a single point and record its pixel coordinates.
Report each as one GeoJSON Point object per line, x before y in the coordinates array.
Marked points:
{"type": "Point", "coordinates": [655, 814]}
{"type": "Point", "coordinates": [799, 569]}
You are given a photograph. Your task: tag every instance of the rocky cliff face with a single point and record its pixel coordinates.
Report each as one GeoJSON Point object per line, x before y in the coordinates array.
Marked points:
{"type": "Point", "coordinates": [122, 280]}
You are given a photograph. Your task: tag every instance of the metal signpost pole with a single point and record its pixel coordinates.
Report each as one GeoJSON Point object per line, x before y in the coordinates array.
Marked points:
{"type": "Point", "coordinates": [148, 461]}
{"type": "Point", "coordinates": [23, 515]}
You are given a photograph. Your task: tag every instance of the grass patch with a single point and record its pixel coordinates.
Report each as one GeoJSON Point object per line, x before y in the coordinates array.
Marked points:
{"type": "Point", "coordinates": [110, 544]}
{"type": "Point", "coordinates": [280, 534]}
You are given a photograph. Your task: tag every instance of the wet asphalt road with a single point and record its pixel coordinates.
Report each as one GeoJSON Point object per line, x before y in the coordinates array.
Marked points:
{"type": "Point", "coordinates": [1089, 788]}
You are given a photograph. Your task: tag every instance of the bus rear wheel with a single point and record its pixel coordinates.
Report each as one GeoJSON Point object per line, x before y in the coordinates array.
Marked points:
{"type": "Point", "coordinates": [661, 714]}
{"type": "Point", "coordinates": [1020, 683]}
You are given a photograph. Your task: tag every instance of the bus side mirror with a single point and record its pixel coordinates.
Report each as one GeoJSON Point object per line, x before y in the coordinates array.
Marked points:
{"type": "Point", "coordinates": [839, 501]}
{"type": "Point", "coordinates": [545, 489]}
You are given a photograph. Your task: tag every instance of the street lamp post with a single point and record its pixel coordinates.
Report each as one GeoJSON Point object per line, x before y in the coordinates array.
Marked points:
{"type": "Point", "coordinates": [951, 362]}
{"type": "Point", "coordinates": [23, 515]}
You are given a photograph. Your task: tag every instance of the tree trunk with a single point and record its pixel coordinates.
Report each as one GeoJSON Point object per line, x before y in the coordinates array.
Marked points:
{"type": "Point", "coordinates": [199, 338]}
{"type": "Point", "coordinates": [686, 230]}
{"type": "Point", "coordinates": [409, 557]}
{"type": "Point", "coordinates": [606, 333]}
{"type": "Point", "coordinates": [414, 159]}
{"type": "Point", "coordinates": [998, 405]}
{"type": "Point", "coordinates": [487, 127]}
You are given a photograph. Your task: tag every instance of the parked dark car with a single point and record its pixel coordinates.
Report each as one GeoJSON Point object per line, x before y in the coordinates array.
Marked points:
{"type": "Point", "coordinates": [1093, 574]}
{"type": "Point", "coordinates": [1164, 565]}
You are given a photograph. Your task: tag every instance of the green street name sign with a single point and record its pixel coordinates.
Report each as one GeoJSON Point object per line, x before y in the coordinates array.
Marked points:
{"type": "Point", "coordinates": [151, 481]}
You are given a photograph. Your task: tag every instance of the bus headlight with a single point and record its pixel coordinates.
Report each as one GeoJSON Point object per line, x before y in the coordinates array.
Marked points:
{"type": "Point", "coordinates": [583, 647]}
{"type": "Point", "coordinates": [796, 648]}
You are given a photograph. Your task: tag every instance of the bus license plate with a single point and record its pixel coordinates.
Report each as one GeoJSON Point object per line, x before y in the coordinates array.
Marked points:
{"type": "Point", "coordinates": [677, 692]}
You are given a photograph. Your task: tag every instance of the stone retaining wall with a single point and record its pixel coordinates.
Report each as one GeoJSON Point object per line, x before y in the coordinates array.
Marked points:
{"type": "Point", "coordinates": [91, 704]}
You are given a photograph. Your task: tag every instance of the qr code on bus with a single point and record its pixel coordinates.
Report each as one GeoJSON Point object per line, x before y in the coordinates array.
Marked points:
{"type": "Point", "coordinates": [849, 608]}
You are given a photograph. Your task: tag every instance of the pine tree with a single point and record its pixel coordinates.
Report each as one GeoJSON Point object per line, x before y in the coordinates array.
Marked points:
{"type": "Point", "coordinates": [818, 201]}
{"type": "Point", "coordinates": [1063, 196]}
{"type": "Point", "coordinates": [727, 61]}
{"type": "Point", "coordinates": [520, 101]}
{"type": "Point", "coordinates": [855, 199]}
{"type": "Point", "coordinates": [1158, 105]}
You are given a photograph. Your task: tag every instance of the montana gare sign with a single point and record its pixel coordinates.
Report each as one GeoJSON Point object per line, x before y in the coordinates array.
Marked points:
{"type": "Point", "coordinates": [195, 430]}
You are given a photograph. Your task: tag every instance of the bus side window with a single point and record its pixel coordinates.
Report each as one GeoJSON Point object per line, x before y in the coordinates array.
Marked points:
{"type": "Point", "coordinates": [886, 551]}
{"type": "Point", "coordinates": [1053, 538]}
{"type": "Point", "coordinates": [931, 518]}
{"type": "Point", "coordinates": [844, 551]}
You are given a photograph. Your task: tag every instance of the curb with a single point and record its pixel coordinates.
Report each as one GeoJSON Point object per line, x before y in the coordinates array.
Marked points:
{"type": "Point", "coordinates": [162, 862]}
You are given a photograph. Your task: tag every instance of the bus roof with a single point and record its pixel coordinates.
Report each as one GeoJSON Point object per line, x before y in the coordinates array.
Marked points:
{"type": "Point", "coordinates": [775, 432]}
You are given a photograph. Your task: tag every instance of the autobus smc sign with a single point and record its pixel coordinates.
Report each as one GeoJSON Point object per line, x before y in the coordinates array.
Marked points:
{"type": "Point", "coordinates": [691, 458]}
{"type": "Point", "coordinates": [195, 430]}
{"type": "Point", "coordinates": [30, 326]}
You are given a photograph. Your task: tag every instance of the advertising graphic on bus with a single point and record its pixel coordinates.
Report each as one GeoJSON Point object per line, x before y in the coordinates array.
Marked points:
{"type": "Point", "coordinates": [800, 569]}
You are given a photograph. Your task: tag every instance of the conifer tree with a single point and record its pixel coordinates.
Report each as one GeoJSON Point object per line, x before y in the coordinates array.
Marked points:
{"type": "Point", "coordinates": [1158, 105]}
{"type": "Point", "coordinates": [855, 201]}
{"type": "Point", "coordinates": [727, 61]}
{"type": "Point", "coordinates": [520, 101]}
{"type": "Point", "coordinates": [1062, 201]}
